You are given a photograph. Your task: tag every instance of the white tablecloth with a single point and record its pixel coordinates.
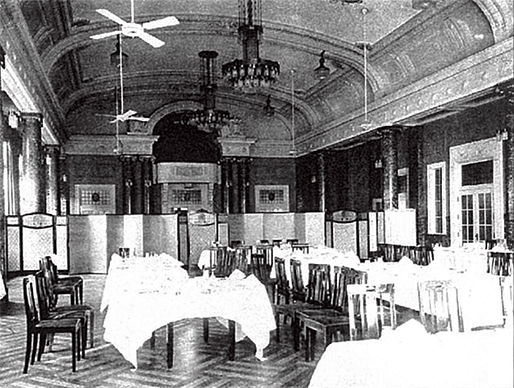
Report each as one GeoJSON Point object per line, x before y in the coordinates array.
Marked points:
{"type": "Point", "coordinates": [411, 358]}
{"type": "Point", "coordinates": [138, 308]}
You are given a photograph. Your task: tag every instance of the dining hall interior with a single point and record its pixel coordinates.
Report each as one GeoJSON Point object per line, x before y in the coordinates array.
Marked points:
{"type": "Point", "coordinates": [256, 193]}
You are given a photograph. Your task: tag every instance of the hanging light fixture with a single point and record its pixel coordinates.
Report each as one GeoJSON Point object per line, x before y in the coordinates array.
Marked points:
{"type": "Point", "coordinates": [268, 109]}
{"type": "Point", "coordinates": [250, 72]}
{"type": "Point", "coordinates": [209, 119]}
{"type": "Point", "coordinates": [115, 55]}
{"type": "Point", "coordinates": [321, 72]}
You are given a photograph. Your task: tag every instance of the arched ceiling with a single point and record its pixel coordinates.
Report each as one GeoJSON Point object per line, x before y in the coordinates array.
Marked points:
{"type": "Point", "coordinates": [295, 32]}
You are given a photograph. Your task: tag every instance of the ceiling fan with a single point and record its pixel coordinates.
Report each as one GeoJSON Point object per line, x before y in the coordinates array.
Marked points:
{"type": "Point", "coordinates": [133, 29]}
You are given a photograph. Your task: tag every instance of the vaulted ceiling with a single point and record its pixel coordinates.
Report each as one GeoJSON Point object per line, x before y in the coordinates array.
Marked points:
{"type": "Point", "coordinates": [72, 73]}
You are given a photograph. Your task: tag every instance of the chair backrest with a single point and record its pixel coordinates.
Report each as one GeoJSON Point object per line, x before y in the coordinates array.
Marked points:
{"type": "Point", "coordinates": [500, 263]}
{"type": "Point", "coordinates": [298, 289]}
{"type": "Point", "coordinates": [242, 258]}
{"type": "Point", "coordinates": [267, 251]}
{"type": "Point", "coordinates": [319, 286]}
{"type": "Point", "coordinates": [506, 286]}
{"type": "Point", "coordinates": [291, 241]}
{"type": "Point", "coordinates": [439, 307]}
{"type": "Point", "coordinates": [421, 254]}
{"type": "Point", "coordinates": [283, 288]}
{"type": "Point", "coordinates": [343, 276]}
{"type": "Point", "coordinates": [30, 301]}
{"type": "Point", "coordinates": [44, 293]}
{"type": "Point", "coordinates": [304, 248]}
{"type": "Point", "coordinates": [366, 310]}
{"type": "Point", "coordinates": [259, 267]}
{"type": "Point", "coordinates": [221, 261]}
{"type": "Point", "coordinates": [236, 243]}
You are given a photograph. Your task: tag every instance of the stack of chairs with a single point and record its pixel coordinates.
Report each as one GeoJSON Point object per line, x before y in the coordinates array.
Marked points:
{"type": "Point", "coordinates": [41, 324]}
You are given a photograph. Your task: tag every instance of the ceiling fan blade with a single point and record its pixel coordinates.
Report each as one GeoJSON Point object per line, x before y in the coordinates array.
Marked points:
{"type": "Point", "coordinates": [139, 118]}
{"type": "Point", "coordinates": [166, 22]}
{"type": "Point", "coordinates": [151, 40]}
{"type": "Point", "coordinates": [105, 35]}
{"type": "Point", "coordinates": [110, 15]}
{"type": "Point", "coordinates": [129, 113]}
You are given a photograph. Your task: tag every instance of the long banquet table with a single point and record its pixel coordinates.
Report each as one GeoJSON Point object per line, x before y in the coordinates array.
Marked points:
{"type": "Point", "coordinates": [410, 357]}
{"type": "Point", "coordinates": [143, 294]}
{"type": "Point", "coordinates": [479, 292]}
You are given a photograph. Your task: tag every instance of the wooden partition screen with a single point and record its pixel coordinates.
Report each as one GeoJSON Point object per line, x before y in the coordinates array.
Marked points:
{"type": "Point", "coordinates": [250, 228]}
{"type": "Point", "coordinates": [93, 239]}
{"type": "Point", "coordinates": [32, 236]}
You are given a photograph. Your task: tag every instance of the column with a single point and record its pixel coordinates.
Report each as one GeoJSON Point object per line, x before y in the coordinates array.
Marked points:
{"type": "Point", "coordinates": [390, 157]}
{"type": "Point", "coordinates": [321, 182]}
{"type": "Point", "coordinates": [234, 188]}
{"type": "Point", "coordinates": [52, 171]}
{"type": "Point", "coordinates": [33, 192]}
{"type": "Point", "coordinates": [422, 211]}
{"type": "Point", "coordinates": [147, 182]}
{"type": "Point", "coordinates": [225, 185]}
{"type": "Point", "coordinates": [509, 177]}
{"type": "Point", "coordinates": [126, 162]}
{"type": "Point", "coordinates": [137, 186]}
{"type": "Point", "coordinates": [244, 173]}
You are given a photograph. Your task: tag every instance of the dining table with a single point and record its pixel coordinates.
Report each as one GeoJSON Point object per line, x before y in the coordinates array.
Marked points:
{"type": "Point", "coordinates": [142, 295]}
{"type": "Point", "coordinates": [409, 357]}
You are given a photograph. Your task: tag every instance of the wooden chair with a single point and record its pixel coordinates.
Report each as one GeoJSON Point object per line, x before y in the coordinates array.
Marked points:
{"type": "Point", "coordinates": [242, 258]}
{"type": "Point", "coordinates": [72, 286]}
{"type": "Point", "coordinates": [333, 318]}
{"type": "Point", "coordinates": [294, 297]}
{"type": "Point", "coordinates": [48, 310]}
{"type": "Point", "coordinates": [38, 327]}
{"type": "Point", "coordinates": [292, 241]}
{"type": "Point", "coordinates": [304, 248]}
{"type": "Point", "coordinates": [220, 261]}
{"type": "Point", "coordinates": [367, 311]}
{"type": "Point", "coordinates": [439, 307]}
{"type": "Point", "coordinates": [421, 254]}
{"type": "Point", "coordinates": [500, 263]}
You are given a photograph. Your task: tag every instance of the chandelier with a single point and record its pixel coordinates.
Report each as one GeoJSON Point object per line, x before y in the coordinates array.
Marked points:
{"type": "Point", "coordinates": [251, 71]}
{"type": "Point", "coordinates": [208, 119]}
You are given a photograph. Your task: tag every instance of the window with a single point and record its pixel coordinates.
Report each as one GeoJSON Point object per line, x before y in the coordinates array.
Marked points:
{"type": "Point", "coordinates": [477, 216]}
{"type": "Point", "coordinates": [186, 197]}
{"type": "Point", "coordinates": [436, 198]}
{"type": "Point", "coordinates": [272, 198]}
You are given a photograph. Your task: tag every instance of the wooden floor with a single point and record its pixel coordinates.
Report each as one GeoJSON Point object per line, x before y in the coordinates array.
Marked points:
{"type": "Point", "coordinates": [197, 364]}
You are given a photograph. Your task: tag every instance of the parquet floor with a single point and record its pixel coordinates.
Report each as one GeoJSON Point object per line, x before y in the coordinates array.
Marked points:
{"type": "Point", "coordinates": [197, 364]}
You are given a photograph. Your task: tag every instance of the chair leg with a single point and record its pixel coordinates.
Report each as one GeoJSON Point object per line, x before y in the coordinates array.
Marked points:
{"type": "Point", "coordinates": [27, 352]}
{"type": "Point", "coordinates": [169, 345]}
{"type": "Point", "coordinates": [73, 352]}
{"type": "Point", "coordinates": [91, 328]}
{"type": "Point", "coordinates": [206, 330]}
{"type": "Point", "coordinates": [277, 322]}
{"type": "Point", "coordinates": [42, 342]}
{"type": "Point", "coordinates": [296, 332]}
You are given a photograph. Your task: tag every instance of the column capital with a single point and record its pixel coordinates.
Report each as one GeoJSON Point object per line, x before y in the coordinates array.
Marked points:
{"type": "Point", "coordinates": [31, 116]}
